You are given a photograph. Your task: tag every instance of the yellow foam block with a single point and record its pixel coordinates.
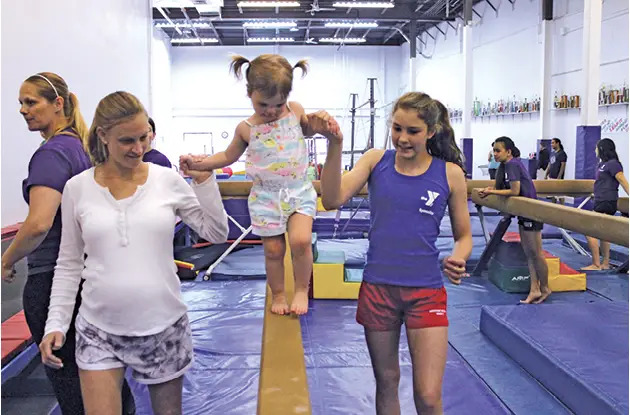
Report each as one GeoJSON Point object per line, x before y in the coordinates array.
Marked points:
{"type": "Point", "coordinates": [567, 282]}
{"type": "Point", "coordinates": [320, 205]}
{"type": "Point", "coordinates": [328, 282]}
{"type": "Point", "coordinates": [553, 264]}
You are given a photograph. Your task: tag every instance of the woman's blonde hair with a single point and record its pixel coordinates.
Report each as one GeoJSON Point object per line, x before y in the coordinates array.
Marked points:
{"type": "Point", "coordinates": [268, 74]}
{"type": "Point", "coordinates": [50, 86]}
{"type": "Point", "coordinates": [112, 110]}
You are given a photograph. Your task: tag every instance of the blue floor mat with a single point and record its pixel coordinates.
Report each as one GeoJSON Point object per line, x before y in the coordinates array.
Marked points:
{"type": "Point", "coordinates": [227, 322]}
{"type": "Point", "coordinates": [246, 263]}
{"type": "Point", "coordinates": [516, 388]}
{"type": "Point", "coordinates": [612, 286]}
{"type": "Point", "coordinates": [477, 291]}
{"type": "Point", "coordinates": [340, 376]}
{"type": "Point", "coordinates": [580, 353]}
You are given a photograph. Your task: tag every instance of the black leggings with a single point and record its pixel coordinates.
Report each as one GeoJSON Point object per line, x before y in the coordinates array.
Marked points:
{"type": "Point", "coordinates": [65, 381]}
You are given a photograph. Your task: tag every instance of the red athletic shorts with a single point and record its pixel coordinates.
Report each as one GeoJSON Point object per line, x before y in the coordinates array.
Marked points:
{"type": "Point", "coordinates": [385, 307]}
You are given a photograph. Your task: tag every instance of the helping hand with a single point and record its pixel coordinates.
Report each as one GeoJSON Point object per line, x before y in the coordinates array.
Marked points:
{"type": "Point", "coordinates": [52, 341]}
{"type": "Point", "coordinates": [322, 123]}
{"type": "Point", "coordinates": [485, 192]}
{"type": "Point", "coordinates": [455, 269]}
{"type": "Point", "coordinates": [185, 166]}
{"type": "Point", "coordinates": [8, 273]}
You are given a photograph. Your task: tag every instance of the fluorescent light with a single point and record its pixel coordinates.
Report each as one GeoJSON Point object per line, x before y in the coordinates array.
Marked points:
{"type": "Point", "coordinates": [195, 25]}
{"type": "Point", "coordinates": [268, 4]}
{"type": "Point", "coordinates": [356, 25]}
{"type": "Point", "coordinates": [364, 4]}
{"type": "Point", "coordinates": [270, 39]}
{"type": "Point", "coordinates": [194, 40]}
{"type": "Point", "coordinates": [269, 25]}
{"type": "Point", "coordinates": [342, 40]}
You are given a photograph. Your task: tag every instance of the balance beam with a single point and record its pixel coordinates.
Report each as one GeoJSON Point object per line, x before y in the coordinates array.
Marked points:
{"type": "Point", "coordinates": [622, 205]}
{"type": "Point", "coordinates": [581, 188]}
{"type": "Point", "coordinates": [282, 386]}
{"type": "Point", "coordinates": [609, 228]}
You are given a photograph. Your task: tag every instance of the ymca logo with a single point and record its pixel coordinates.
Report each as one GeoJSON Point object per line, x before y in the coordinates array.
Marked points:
{"type": "Point", "coordinates": [428, 201]}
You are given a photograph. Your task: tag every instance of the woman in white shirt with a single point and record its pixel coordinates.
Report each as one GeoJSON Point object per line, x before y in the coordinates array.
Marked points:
{"type": "Point", "coordinates": [118, 220]}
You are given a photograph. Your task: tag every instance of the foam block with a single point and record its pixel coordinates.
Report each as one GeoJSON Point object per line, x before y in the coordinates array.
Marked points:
{"type": "Point", "coordinates": [329, 277]}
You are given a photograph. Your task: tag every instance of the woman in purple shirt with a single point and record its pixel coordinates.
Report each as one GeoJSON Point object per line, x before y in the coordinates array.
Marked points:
{"type": "Point", "coordinates": [606, 193]}
{"type": "Point", "coordinates": [49, 108]}
{"type": "Point", "coordinates": [514, 180]}
{"type": "Point", "coordinates": [154, 156]}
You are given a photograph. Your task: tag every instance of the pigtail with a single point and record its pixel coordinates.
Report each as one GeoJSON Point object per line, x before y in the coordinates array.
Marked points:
{"type": "Point", "coordinates": [303, 65]}
{"type": "Point", "coordinates": [237, 64]}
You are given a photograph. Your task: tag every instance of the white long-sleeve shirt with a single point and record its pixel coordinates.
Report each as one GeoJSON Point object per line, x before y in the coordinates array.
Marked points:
{"type": "Point", "coordinates": [131, 286]}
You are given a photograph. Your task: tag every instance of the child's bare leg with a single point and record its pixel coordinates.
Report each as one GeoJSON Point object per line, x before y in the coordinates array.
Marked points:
{"type": "Point", "coordinates": [300, 229]}
{"type": "Point", "coordinates": [274, 247]}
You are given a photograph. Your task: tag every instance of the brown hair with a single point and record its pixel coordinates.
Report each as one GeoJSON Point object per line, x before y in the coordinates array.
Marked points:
{"type": "Point", "coordinates": [442, 145]}
{"type": "Point", "coordinates": [269, 74]}
{"type": "Point", "coordinates": [112, 110]}
{"type": "Point", "coordinates": [71, 112]}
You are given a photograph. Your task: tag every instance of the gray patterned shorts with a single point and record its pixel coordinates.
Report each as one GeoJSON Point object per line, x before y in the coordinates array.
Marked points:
{"type": "Point", "coordinates": [154, 359]}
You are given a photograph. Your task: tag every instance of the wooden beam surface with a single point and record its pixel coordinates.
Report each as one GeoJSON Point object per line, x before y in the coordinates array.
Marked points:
{"type": "Point", "coordinates": [282, 386]}
{"type": "Point", "coordinates": [543, 187]}
{"type": "Point", "coordinates": [622, 205]}
{"type": "Point", "coordinates": [606, 227]}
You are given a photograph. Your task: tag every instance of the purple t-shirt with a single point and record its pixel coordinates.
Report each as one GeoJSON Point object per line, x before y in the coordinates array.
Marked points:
{"type": "Point", "coordinates": [556, 159]}
{"type": "Point", "coordinates": [155, 157]}
{"type": "Point", "coordinates": [606, 185]}
{"type": "Point", "coordinates": [515, 171]}
{"type": "Point", "coordinates": [52, 165]}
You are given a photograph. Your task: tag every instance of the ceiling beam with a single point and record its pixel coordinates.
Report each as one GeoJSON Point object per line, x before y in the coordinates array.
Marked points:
{"type": "Point", "coordinates": [367, 14]}
{"type": "Point", "coordinates": [216, 33]}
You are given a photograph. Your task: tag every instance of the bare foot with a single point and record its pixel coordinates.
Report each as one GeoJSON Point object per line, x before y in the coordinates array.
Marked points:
{"type": "Point", "coordinates": [279, 304]}
{"type": "Point", "coordinates": [605, 266]}
{"type": "Point", "coordinates": [545, 293]}
{"type": "Point", "coordinates": [299, 305]}
{"type": "Point", "coordinates": [591, 268]}
{"type": "Point", "coordinates": [533, 296]}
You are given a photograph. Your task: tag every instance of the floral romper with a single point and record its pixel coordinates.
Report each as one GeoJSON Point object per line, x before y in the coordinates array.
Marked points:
{"type": "Point", "coordinates": [277, 162]}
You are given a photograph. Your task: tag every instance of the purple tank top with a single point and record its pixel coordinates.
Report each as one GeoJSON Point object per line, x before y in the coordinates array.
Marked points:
{"type": "Point", "coordinates": [405, 216]}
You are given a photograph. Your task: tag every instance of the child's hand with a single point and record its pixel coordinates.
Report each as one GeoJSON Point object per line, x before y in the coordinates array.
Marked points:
{"type": "Point", "coordinates": [334, 131]}
{"type": "Point", "coordinates": [455, 269]}
{"type": "Point", "coordinates": [188, 161]}
{"type": "Point", "coordinates": [323, 123]}
{"type": "Point", "coordinates": [185, 161]}
{"type": "Point", "coordinates": [485, 192]}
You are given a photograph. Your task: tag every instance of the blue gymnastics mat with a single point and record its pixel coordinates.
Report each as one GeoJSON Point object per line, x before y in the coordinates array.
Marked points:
{"type": "Point", "coordinates": [579, 352]}
{"type": "Point", "coordinates": [340, 374]}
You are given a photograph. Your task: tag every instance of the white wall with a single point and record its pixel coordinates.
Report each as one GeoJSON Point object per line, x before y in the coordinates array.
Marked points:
{"type": "Point", "coordinates": [507, 61]}
{"type": "Point", "coordinates": [161, 89]}
{"type": "Point", "coordinates": [96, 47]}
{"type": "Point", "coordinates": [207, 99]}
{"type": "Point", "coordinates": [567, 74]}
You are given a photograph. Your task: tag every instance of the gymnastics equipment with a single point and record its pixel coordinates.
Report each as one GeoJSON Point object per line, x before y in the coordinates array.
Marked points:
{"type": "Point", "coordinates": [282, 385]}
{"type": "Point", "coordinates": [568, 350]}
{"type": "Point", "coordinates": [543, 187]}
{"type": "Point", "coordinates": [353, 110]}
{"type": "Point", "coordinates": [224, 173]}
{"type": "Point", "coordinates": [609, 228]}
{"type": "Point", "coordinates": [508, 269]}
